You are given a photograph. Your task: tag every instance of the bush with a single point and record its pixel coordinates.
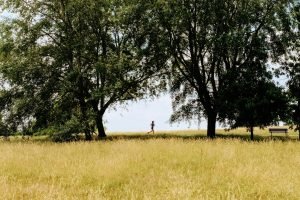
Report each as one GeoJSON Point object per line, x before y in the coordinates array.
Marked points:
{"type": "Point", "coordinates": [68, 132]}
{"type": "Point", "coordinates": [64, 136]}
{"type": "Point", "coordinates": [46, 131]}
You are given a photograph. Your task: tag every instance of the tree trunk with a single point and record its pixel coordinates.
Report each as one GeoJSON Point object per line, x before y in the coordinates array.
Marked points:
{"type": "Point", "coordinates": [211, 125]}
{"type": "Point", "coordinates": [84, 108]}
{"type": "Point", "coordinates": [100, 126]}
{"type": "Point", "coordinates": [88, 135]}
{"type": "Point", "coordinates": [251, 131]}
{"type": "Point", "coordinates": [86, 127]}
{"type": "Point", "coordinates": [6, 136]}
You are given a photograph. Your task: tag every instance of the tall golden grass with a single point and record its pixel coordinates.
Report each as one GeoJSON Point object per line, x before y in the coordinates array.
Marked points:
{"type": "Point", "coordinates": [171, 168]}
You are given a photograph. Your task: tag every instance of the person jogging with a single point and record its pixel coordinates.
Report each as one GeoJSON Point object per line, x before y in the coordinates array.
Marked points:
{"type": "Point", "coordinates": [152, 127]}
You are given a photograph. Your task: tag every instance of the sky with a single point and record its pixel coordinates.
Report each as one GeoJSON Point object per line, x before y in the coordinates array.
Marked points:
{"type": "Point", "coordinates": [137, 116]}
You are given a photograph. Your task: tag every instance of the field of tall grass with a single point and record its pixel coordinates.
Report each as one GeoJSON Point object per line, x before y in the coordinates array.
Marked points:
{"type": "Point", "coordinates": [158, 167]}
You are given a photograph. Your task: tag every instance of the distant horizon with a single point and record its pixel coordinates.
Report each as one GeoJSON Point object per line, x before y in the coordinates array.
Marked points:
{"type": "Point", "coordinates": [137, 116]}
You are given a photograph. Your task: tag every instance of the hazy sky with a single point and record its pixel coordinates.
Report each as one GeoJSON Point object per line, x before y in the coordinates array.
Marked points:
{"type": "Point", "coordinates": [138, 116]}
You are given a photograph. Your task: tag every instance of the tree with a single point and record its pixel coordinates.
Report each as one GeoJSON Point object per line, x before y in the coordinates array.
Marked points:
{"type": "Point", "coordinates": [209, 41]}
{"type": "Point", "coordinates": [75, 59]}
{"type": "Point", "coordinates": [294, 87]}
{"type": "Point", "coordinates": [253, 100]}
{"type": "Point", "coordinates": [291, 69]}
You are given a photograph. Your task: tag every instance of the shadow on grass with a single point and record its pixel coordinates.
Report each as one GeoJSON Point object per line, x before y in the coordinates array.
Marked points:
{"type": "Point", "coordinates": [242, 137]}
{"type": "Point", "coordinates": [166, 136]}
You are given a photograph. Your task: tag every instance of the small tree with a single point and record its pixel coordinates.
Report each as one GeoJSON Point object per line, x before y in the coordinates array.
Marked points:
{"type": "Point", "coordinates": [254, 100]}
{"type": "Point", "coordinates": [294, 92]}
{"type": "Point", "coordinates": [291, 68]}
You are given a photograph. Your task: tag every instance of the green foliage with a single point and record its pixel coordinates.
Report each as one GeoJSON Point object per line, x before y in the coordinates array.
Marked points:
{"type": "Point", "coordinates": [64, 58]}
{"type": "Point", "coordinates": [63, 64]}
{"type": "Point", "coordinates": [68, 132]}
{"type": "Point", "coordinates": [253, 100]}
{"type": "Point", "coordinates": [210, 41]}
{"type": "Point", "coordinates": [46, 131]}
{"type": "Point", "coordinates": [291, 69]}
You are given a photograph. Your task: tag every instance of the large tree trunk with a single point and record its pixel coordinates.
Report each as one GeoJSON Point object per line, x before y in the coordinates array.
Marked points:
{"type": "Point", "coordinates": [100, 126]}
{"type": "Point", "coordinates": [211, 125]}
{"type": "Point", "coordinates": [251, 133]}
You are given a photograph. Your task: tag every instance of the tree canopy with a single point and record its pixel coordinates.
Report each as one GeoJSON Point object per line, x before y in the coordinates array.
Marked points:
{"type": "Point", "coordinates": [291, 69]}
{"type": "Point", "coordinates": [211, 42]}
{"type": "Point", "coordinates": [65, 63]}
{"type": "Point", "coordinates": [66, 59]}
{"type": "Point", "coordinates": [252, 99]}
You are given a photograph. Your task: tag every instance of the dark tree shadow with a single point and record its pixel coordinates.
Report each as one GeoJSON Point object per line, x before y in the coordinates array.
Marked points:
{"type": "Point", "coordinates": [242, 137]}
{"type": "Point", "coordinates": [165, 136]}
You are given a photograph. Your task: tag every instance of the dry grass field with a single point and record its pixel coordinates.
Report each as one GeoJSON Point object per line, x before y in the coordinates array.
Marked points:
{"type": "Point", "coordinates": [169, 165]}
